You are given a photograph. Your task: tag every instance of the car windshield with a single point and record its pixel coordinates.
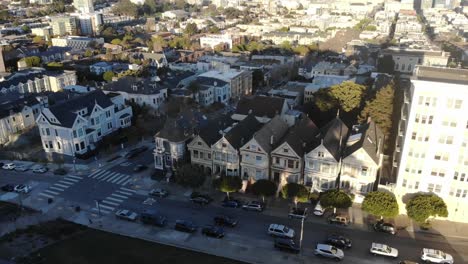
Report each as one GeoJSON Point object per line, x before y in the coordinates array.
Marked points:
{"type": "Point", "coordinates": [286, 229]}
{"type": "Point", "coordinates": [442, 254]}
{"type": "Point", "coordinates": [334, 250]}
{"type": "Point", "coordinates": [388, 249]}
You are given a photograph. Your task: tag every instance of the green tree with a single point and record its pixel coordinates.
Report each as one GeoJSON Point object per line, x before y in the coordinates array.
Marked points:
{"type": "Point", "coordinates": [213, 30]}
{"type": "Point", "coordinates": [55, 65]}
{"type": "Point", "coordinates": [38, 40]}
{"type": "Point", "coordinates": [335, 198]}
{"type": "Point", "coordinates": [88, 53]}
{"type": "Point", "coordinates": [188, 175]}
{"type": "Point", "coordinates": [191, 29]}
{"type": "Point", "coordinates": [283, 29]}
{"type": "Point", "coordinates": [348, 95]}
{"type": "Point", "coordinates": [228, 184]}
{"type": "Point", "coordinates": [296, 192]}
{"type": "Point", "coordinates": [264, 188]}
{"type": "Point", "coordinates": [386, 64]}
{"type": "Point", "coordinates": [370, 28]}
{"type": "Point", "coordinates": [382, 204]}
{"type": "Point", "coordinates": [194, 87]}
{"type": "Point", "coordinates": [423, 206]}
{"type": "Point", "coordinates": [32, 61]}
{"type": "Point", "coordinates": [108, 75]}
{"type": "Point", "coordinates": [380, 109]}
{"type": "Point", "coordinates": [301, 50]}
{"type": "Point", "coordinates": [125, 7]}
{"type": "Point", "coordinates": [286, 45]}
{"type": "Point", "coordinates": [324, 101]}
{"type": "Point", "coordinates": [116, 41]}
{"type": "Point", "coordinates": [25, 28]}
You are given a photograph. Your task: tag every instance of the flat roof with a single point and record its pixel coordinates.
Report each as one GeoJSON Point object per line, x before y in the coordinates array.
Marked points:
{"type": "Point", "coordinates": [441, 74]}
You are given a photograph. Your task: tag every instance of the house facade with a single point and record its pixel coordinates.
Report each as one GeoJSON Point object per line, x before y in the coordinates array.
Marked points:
{"type": "Point", "coordinates": [76, 126]}
{"type": "Point", "coordinates": [38, 80]}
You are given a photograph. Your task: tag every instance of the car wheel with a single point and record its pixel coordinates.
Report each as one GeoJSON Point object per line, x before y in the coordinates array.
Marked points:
{"type": "Point", "coordinates": [337, 259]}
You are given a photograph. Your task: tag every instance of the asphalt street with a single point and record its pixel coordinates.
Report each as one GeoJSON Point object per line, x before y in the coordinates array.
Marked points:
{"type": "Point", "coordinates": [111, 186]}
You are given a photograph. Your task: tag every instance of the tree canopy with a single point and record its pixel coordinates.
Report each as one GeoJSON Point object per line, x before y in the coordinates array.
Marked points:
{"type": "Point", "coordinates": [423, 206]}
{"type": "Point", "coordinates": [125, 7]}
{"type": "Point", "coordinates": [32, 61]}
{"type": "Point", "coordinates": [348, 95]}
{"type": "Point", "coordinates": [108, 75]}
{"type": "Point", "coordinates": [188, 175]}
{"type": "Point", "coordinates": [228, 184]}
{"type": "Point", "coordinates": [297, 192]}
{"type": "Point", "coordinates": [191, 29]}
{"type": "Point", "coordinates": [380, 204]}
{"type": "Point", "coordinates": [264, 188]}
{"type": "Point", "coordinates": [335, 198]}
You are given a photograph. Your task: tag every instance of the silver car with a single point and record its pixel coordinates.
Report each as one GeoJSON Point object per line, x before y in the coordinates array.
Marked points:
{"type": "Point", "coordinates": [328, 251]}
{"type": "Point", "coordinates": [126, 215]}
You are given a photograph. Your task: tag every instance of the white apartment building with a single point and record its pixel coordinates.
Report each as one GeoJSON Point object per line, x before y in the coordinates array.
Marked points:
{"type": "Point", "coordinates": [64, 25]}
{"type": "Point", "coordinates": [406, 59]}
{"type": "Point", "coordinates": [211, 41]}
{"type": "Point", "coordinates": [432, 147]}
{"type": "Point", "coordinates": [76, 126]}
{"type": "Point", "coordinates": [75, 42]}
{"type": "Point", "coordinates": [212, 90]}
{"type": "Point", "coordinates": [38, 80]}
{"type": "Point", "coordinates": [240, 82]}
{"type": "Point", "coordinates": [89, 23]}
{"type": "Point", "coordinates": [84, 6]}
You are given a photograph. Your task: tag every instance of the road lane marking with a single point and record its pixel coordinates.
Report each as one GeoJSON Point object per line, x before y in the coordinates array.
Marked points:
{"type": "Point", "coordinates": [71, 180]}
{"type": "Point", "coordinates": [127, 182]}
{"type": "Point", "coordinates": [57, 188]}
{"type": "Point", "coordinates": [52, 192]}
{"type": "Point", "coordinates": [119, 196]}
{"type": "Point", "coordinates": [127, 189]}
{"type": "Point", "coordinates": [111, 203]}
{"type": "Point", "coordinates": [108, 175]}
{"type": "Point", "coordinates": [66, 182]}
{"type": "Point", "coordinates": [122, 180]}
{"type": "Point", "coordinates": [97, 175]}
{"type": "Point", "coordinates": [94, 173]}
{"type": "Point", "coordinates": [114, 199]}
{"type": "Point", "coordinates": [118, 178]}
{"type": "Point", "coordinates": [123, 192]}
{"type": "Point", "coordinates": [74, 177]}
{"type": "Point", "coordinates": [62, 185]}
{"type": "Point", "coordinates": [46, 195]}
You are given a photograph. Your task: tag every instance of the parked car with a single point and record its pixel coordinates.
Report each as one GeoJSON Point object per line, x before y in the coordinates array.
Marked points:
{"type": "Point", "coordinates": [280, 231]}
{"type": "Point", "coordinates": [158, 192]}
{"type": "Point", "coordinates": [126, 215]}
{"type": "Point", "coordinates": [152, 217]}
{"type": "Point", "coordinates": [338, 241]}
{"type": "Point", "coordinates": [22, 188]}
{"type": "Point", "coordinates": [383, 250]}
{"type": "Point", "coordinates": [328, 251]}
{"type": "Point", "coordinates": [213, 231]}
{"type": "Point", "coordinates": [139, 168]}
{"type": "Point", "coordinates": [200, 200]}
{"type": "Point", "coordinates": [40, 169]}
{"type": "Point", "coordinates": [60, 171]}
{"type": "Point", "coordinates": [254, 206]}
{"type": "Point", "coordinates": [185, 226]}
{"type": "Point", "coordinates": [381, 226]}
{"type": "Point", "coordinates": [231, 203]}
{"type": "Point", "coordinates": [287, 245]}
{"type": "Point", "coordinates": [22, 167]}
{"type": "Point", "coordinates": [225, 220]}
{"type": "Point", "coordinates": [9, 166]}
{"type": "Point", "coordinates": [407, 262]}
{"type": "Point", "coordinates": [8, 188]}
{"type": "Point", "coordinates": [298, 213]}
{"type": "Point", "coordinates": [134, 152]}
{"type": "Point", "coordinates": [319, 210]}
{"type": "Point", "coordinates": [436, 256]}
{"type": "Point", "coordinates": [205, 196]}
{"type": "Point", "coordinates": [338, 220]}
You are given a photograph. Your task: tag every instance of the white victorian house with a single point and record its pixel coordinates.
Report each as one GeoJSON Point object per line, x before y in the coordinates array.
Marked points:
{"type": "Point", "coordinates": [255, 154]}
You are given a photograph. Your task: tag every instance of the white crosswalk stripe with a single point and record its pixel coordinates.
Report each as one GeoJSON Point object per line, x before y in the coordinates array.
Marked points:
{"type": "Point", "coordinates": [61, 186]}
{"type": "Point", "coordinates": [122, 180]}
{"type": "Point", "coordinates": [127, 182]}
{"type": "Point", "coordinates": [124, 192]}
{"type": "Point", "coordinates": [119, 196]}
{"type": "Point", "coordinates": [51, 192]}
{"type": "Point", "coordinates": [46, 195]}
{"type": "Point", "coordinates": [111, 202]}
{"type": "Point", "coordinates": [66, 181]}
{"type": "Point", "coordinates": [106, 176]}
{"type": "Point", "coordinates": [127, 189]}
{"type": "Point", "coordinates": [57, 188]}
{"type": "Point", "coordinates": [118, 178]}
{"type": "Point", "coordinates": [115, 199]}
{"type": "Point", "coordinates": [112, 177]}
{"type": "Point", "coordinates": [100, 175]}
{"type": "Point", "coordinates": [74, 177]}
{"type": "Point", "coordinates": [94, 172]}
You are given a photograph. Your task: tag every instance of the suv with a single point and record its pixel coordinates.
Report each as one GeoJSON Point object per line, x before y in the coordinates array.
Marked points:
{"type": "Point", "coordinates": [383, 250]}
{"type": "Point", "coordinates": [152, 217]}
{"type": "Point", "coordinates": [380, 226]}
{"type": "Point", "coordinates": [185, 226]}
{"type": "Point", "coordinates": [158, 193]}
{"type": "Point", "coordinates": [338, 220]}
{"type": "Point", "coordinates": [286, 244]}
{"type": "Point", "coordinates": [134, 152]}
{"type": "Point", "coordinates": [339, 241]}
{"type": "Point", "coordinates": [329, 251]}
{"type": "Point", "coordinates": [436, 256]}
{"type": "Point", "coordinates": [213, 231]}
{"type": "Point", "coordinates": [280, 231]}
{"type": "Point", "coordinates": [254, 206]}
{"type": "Point", "coordinates": [126, 215]}
{"type": "Point", "coordinates": [233, 203]}
{"type": "Point", "coordinates": [298, 213]}
{"type": "Point", "coordinates": [225, 220]}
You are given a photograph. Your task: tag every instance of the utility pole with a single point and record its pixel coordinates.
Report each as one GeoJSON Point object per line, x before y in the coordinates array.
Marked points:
{"type": "Point", "coordinates": [302, 229]}
{"type": "Point", "coordinates": [98, 207]}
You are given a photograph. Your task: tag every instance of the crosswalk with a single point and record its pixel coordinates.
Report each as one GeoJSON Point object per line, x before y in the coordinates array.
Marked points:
{"type": "Point", "coordinates": [111, 202]}
{"type": "Point", "coordinates": [111, 177]}
{"type": "Point", "coordinates": [60, 186]}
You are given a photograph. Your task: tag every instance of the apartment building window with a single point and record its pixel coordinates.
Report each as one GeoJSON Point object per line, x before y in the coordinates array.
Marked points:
{"type": "Point", "coordinates": [446, 140]}
{"type": "Point", "coordinates": [92, 121]}
{"type": "Point", "coordinates": [455, 175]}
{"type": "Point", "coordinates": [430, 187]}
{"type": "Point", "coordinates": [431, 118]}
{"type": "Point", "coordinates": [416, 119]}
{"type": "Point", "coordinates": [416, 185]}
{"type": "Point", "coordinates": [462, 177]}
{"type": "Point", "coordinates": [291, 164]}
{"type": "Point", "coordinates": [438, 188]}
{"type": "Point", "coordinates": [413, 135]}
{"type": "Point", "coordinates": [321, 154]}
{"type": "Point", "coordinates": [108, 113]}
{"type": "Point", "coordinates": [458, 104]}
{"type": "Point", "coordinates": [458, 193]}
{"type": "Point", "coordinates": [438, 172]}
{"type": "Point", "coordinates": [441, 156]}
{"type": "Point", "coordinates": [404, 183]}
{"type": "Point", "coordinates": [420, 100]}
{"type": "Point", "coordinates": [209, 155]}
{"type": "Point", "coordinates": [464, 193]}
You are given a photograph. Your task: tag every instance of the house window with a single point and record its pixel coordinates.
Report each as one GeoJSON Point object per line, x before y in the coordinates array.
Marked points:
{"type": "Point", "coordinates": [458, 104]}
{"type": "Point", "coordinates": [77, 146]}
{"type": "Point", "coordinates": [404, 183]}
{"type": "Point", "coordinates": [320, 154]}
{"type": "Point", "coordinates": [108, 113]}
{"type": "Point", "coordinates": [195, 154]}
{"type": "Point", "coordinates": [48, 131]}
{"type": "Point", "coordinates": [82, 144]}
{"type": "Point", "coordinates": [364, 171]}
{"type": "Point", "coordinates": [56, 133]}
{"type": "Point", "coordinates": [209, 155]}
{"type": "Point", "coordinates": [223, 145]}
{"type": "Point", "coordinates": [285, 150]}
{"type": "Point", "coordinates": [92, 121]}
{"type": "Point", "coordinates": [258, 158]}
{"type": "Point", "coordinates": [109, 125]}
{"type": "Point", "coordinates": [99, 132]}
{"type": "Point", "coordinates": [199, 143]}
{"type": "Point", "coordinates": [291, 164]}
{"type": "Point", "coordinates": [80, 132]}
{"type": "Point", "coordinates": [58, 145]}
{"type": "Point", "coordinates": [277, 160]}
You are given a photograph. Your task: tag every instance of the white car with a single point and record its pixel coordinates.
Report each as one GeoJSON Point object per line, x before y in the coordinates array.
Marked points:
{"type": "Point", "coordinates": [9, 166]}
{"type": "Point", "coordinates": [22, 167]}
{"type": "Point", "coordinates": [39, 169]}
{"type": "Point", "coordinates": [319, 210]}
{"type": "Point", "coordinates": [22, 188]}
{"type": "Point", "coordinates": [329, 251]}
{"type": "Point", "coordinates": [383, 250]}
{"type": "Point", "coordinates": [280, 231]}
{"type": "Point", "coordinates": [126, 215]}
{"type": "Point", "coordinates": [436, 256]}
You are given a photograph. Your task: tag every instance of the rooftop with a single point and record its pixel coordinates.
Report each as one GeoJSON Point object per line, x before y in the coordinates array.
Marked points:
{"type": "Point", "coordinates": [441, 74]}
{"type": "Point", "coordinates": [134, 85]}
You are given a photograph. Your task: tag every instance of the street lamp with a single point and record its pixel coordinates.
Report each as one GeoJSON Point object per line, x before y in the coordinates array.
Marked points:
{"type": "Point", "coordinates": [98, 207]}
{"type": "Point", "coordinates": [302, 228]}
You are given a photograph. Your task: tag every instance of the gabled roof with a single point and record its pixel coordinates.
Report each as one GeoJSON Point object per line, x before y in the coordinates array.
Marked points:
{"type": "Point", "coordinates": [65, 111]}
{"type": "Point", "coordinates": [243, 131]}
{"type": "Point", "coordinates": [302, 136]}
{"type": "Point", "coordinates": [260, 106]}
{"type": "Point", "coordinates": [334, 137]}
{"type": "Point", "coordinates": [214, 129]}
{"type": "Point", "coordinates": [16, 106]}
{"type": "Point", "coordinates": [368, 137]}
{"type": "Point", "coordinates": [133, 85]}
{"type": "Point", "coordinates": [271, 133]}
{"type": "Point", "coordinates": [182, 127]}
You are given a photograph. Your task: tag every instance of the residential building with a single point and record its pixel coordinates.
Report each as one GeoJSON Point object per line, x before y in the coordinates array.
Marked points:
{"type": "Point", "coordinates": [76, 126]}
{"type": "Point", "coordinates": [264, 108]}
{"type": "Point", "coordinates": [212, 90]}
{"type": "Point", "coordinates": [99, 68]}
{"type": "Point", "coordinates": [406, 59]}
{"type": "Point", "coordinates": [17, 115]}
{"type": "Point", "coordinates": [89, 23]}
{"type": "Point", "coordinates": [140, 91]}
{"type": "Point", "coordinates": [432, 147]}
{"type": "Point", "coordinates": [84, 6]}
{"type": "Point", "coordinates": [64, 25]}
{"type": "Point", "coordinates": [42, 31]}
{"type": "Point", "coordinates": [156, 60]}
{"type": "Point", "coordinates": [225, 152]}
{"type": "Point", "coordinates": [76, 42]}
{"type": "Point", "coordinates": [322, 163]}
{"type": "Point", "coordinates": [200, 146]}
{"type": "Point", "coordinates": [287, 158]}
{"type": "Point", "coordinates": [2, 61]}
{"type": "Point", "coordinates": [240, 82]}
{"type": "Point", "coordinates": [175, 14]}
{"type": "Point", "coordinates": [38, 80]}
{"type": "Point", "coordinates": [255, 154]}
{"type": "Point", "coordinates": [211, 41]}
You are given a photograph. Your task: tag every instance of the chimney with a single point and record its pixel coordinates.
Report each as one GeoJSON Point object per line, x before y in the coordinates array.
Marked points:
{"type": "Point", "coordinates": [272, 139]}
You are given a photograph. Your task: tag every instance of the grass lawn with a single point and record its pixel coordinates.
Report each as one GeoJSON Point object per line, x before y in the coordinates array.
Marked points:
{"type": "Point", "coordinates": [97, 247]}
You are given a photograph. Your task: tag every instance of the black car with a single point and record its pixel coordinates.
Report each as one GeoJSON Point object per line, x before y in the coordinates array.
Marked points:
{"type": "Point", "coordinates": [338, 241]}
{"type": "Point", "coordinates": [298, 213]}
{"type": "Point", "coordinates": [200, 200]}
{"type": "Point", "coordinates": [213, 231]}
{"type": "Point", "coordinates": [134, 152]}
{"type": "Point", "coordinates": [139, 168]}
{"type": "Point", "coordinates": [152, 217]}
{"type": "Point", "coordinates": [8, 188]}
{"type": "Point", "coordinates": [231, 203]}
{"type": "Point", "coordinates": [225, 220]}
{"type": "Point", "coordinates": [381, 226]}
{"type": "Point", "coordinates": [287, 245]}
{"type": "Point", "coordinates": [185, 226]}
